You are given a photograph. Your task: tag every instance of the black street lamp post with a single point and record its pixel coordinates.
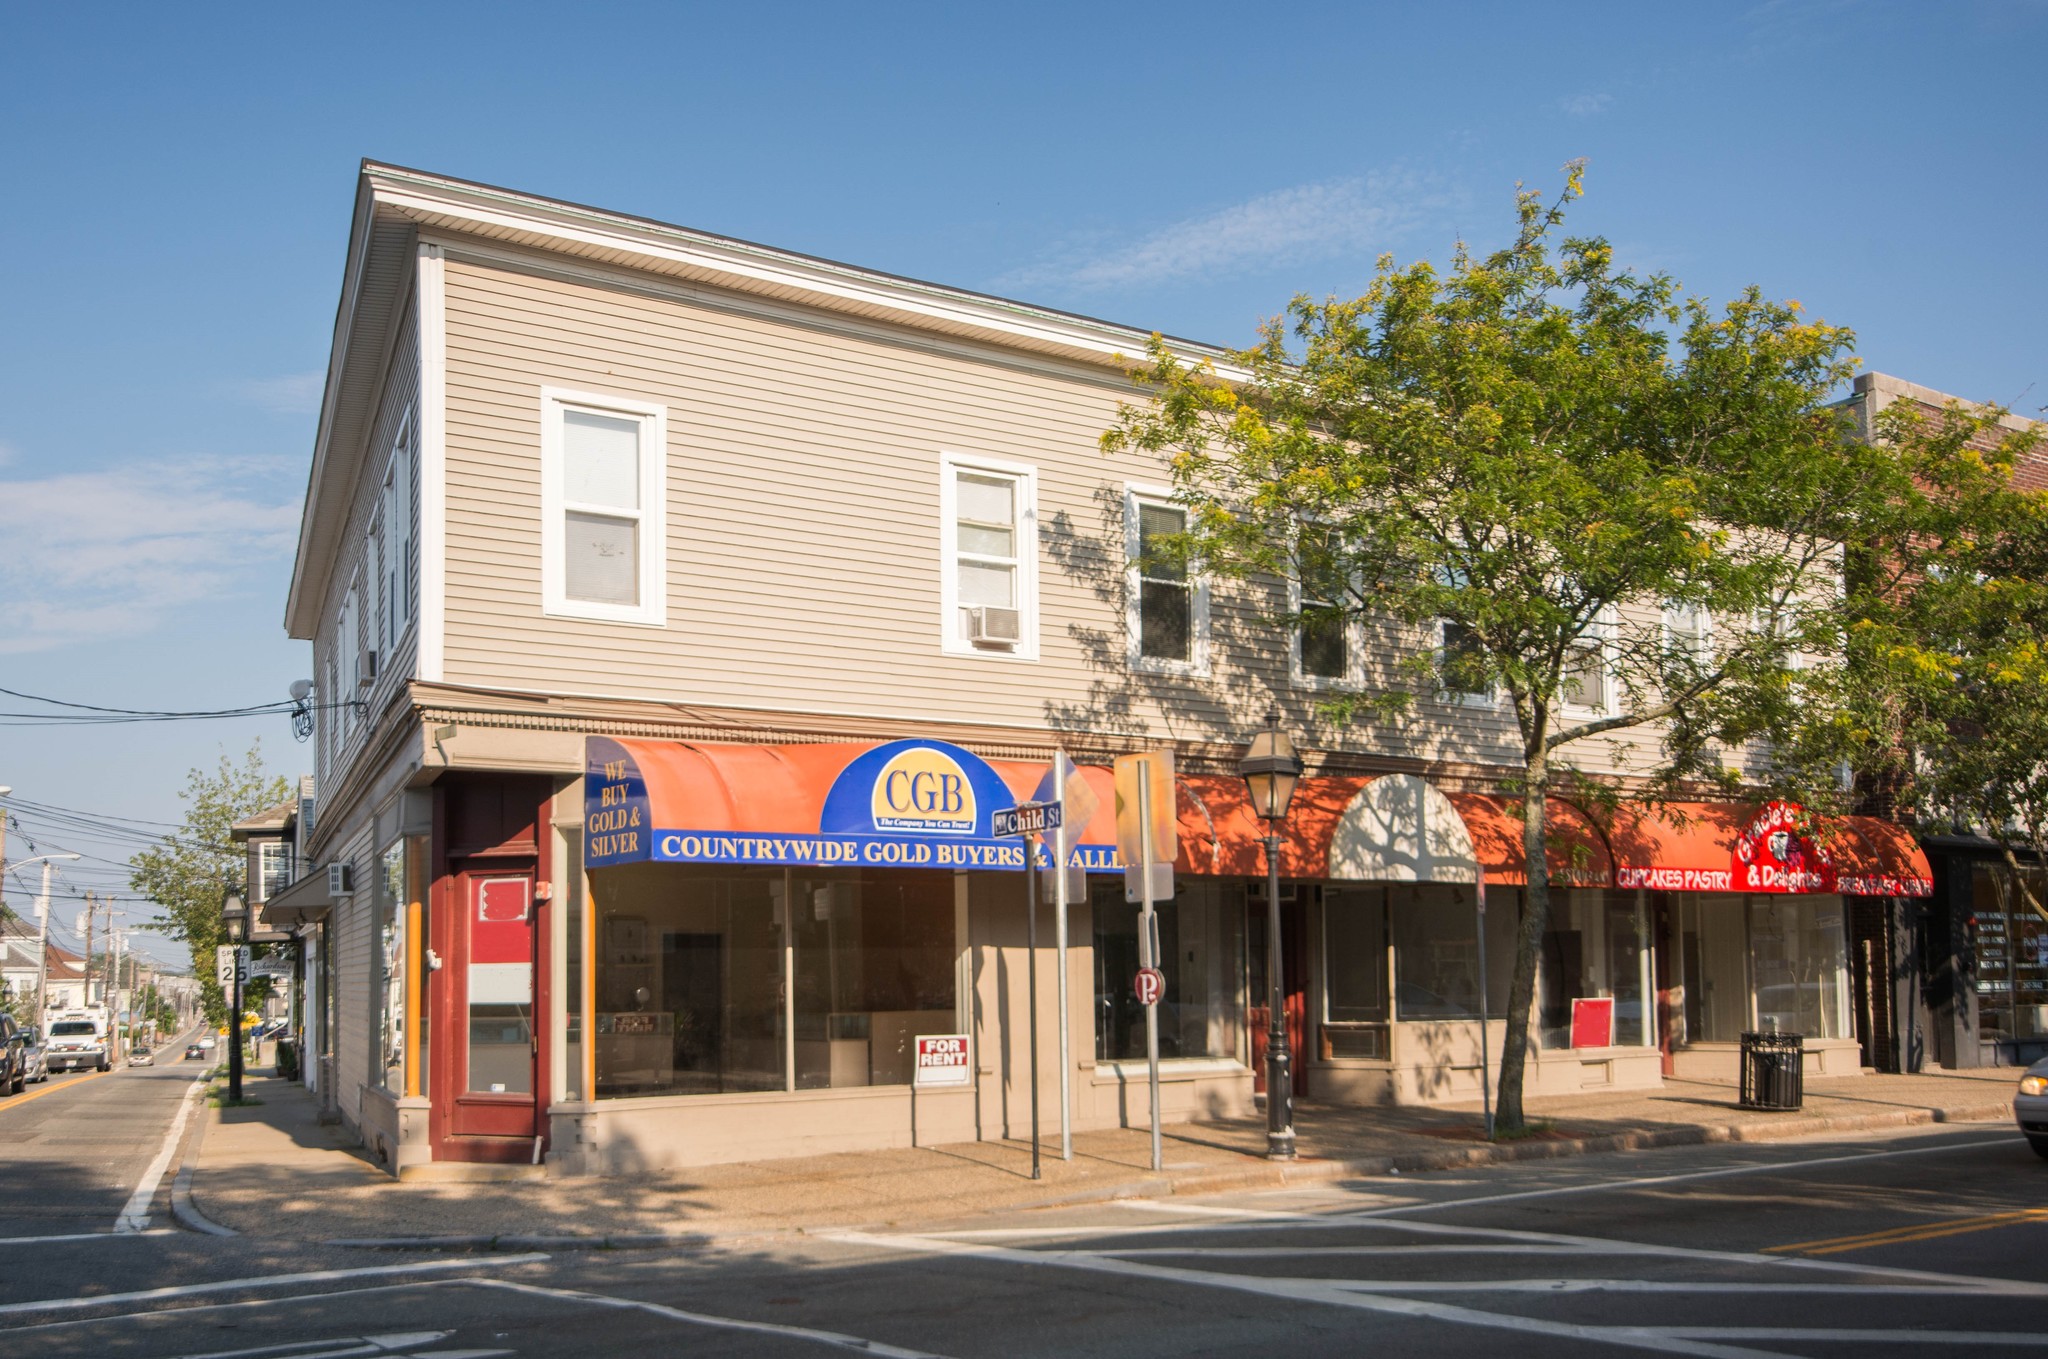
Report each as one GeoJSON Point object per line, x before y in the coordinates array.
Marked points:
{"type": "Point", "coordinates": [1271, 770]}
{"type": "Point", "coordinates": [235, 916]}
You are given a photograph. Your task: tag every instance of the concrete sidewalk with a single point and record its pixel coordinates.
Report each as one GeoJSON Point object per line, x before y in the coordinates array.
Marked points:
{"type": "Point", "coordinates": [274, 1170]}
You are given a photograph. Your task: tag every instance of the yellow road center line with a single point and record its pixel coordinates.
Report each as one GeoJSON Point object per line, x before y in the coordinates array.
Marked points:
{"type": "Point", "coordinates": [1921, 1231]}
{"type": "Point", "coordinates": [15, 1102]}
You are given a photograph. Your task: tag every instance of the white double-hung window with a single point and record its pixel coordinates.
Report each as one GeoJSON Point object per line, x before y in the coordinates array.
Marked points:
{"type": "Point", "coordinates": [1166, 606]}
{"type": "Point", "coordinates": [1589, 687]}
{"type": "Point", "coordinates": [989, 596]}
{"type": "Point", "coordinates": [603, 526]}
{"type": "Point", "coordinates": [398, 539]}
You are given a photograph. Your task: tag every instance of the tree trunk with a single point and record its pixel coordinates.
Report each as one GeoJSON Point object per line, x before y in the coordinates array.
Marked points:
{"type": "Point", "coordinates": [1528, 943]}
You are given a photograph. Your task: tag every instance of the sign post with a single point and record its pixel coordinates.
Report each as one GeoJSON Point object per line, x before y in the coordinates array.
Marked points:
{"type": "Point", "coordinates": [1065, 786]}
{"type": "Point", "coordinates": [1030, 820]}
{"type": "Point", "coordinates": [1139, 840]}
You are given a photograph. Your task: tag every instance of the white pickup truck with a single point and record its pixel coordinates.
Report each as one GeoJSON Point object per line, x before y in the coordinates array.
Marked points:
{"type": "Point", "coordinates": [77, 1041]}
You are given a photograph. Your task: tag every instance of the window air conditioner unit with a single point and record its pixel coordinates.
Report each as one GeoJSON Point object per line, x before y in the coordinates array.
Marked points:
{"type": "Point", "coordinates": [990, 626]}
{"type": "Point", "coordinates": [366, 669]}
{"type": "Point", "coordinates": [340, 881]}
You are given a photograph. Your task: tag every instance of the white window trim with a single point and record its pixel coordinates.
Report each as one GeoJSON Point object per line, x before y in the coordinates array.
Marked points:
{"type": "Point", "coordinates": [952, 639]}
{"type": "Point", "coordinates": [1601, 632]}
{"type": "Point", "coordinates": [652, 610]}
{"type": "Point", "coordinates": [398, 537]}
{"type": "Point", "coordinates": [1353, 677]}
{"type": "Point", "coordinates": [1489, 699]}
{"type": "Point", "coordinates": [1671, 635]}
{"type": "Point", "coordinates": [1197, 664]}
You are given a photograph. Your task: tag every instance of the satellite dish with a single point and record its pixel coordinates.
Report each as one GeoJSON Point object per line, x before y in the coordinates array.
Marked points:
{"type": "Point", "coordinates": [301, 690]}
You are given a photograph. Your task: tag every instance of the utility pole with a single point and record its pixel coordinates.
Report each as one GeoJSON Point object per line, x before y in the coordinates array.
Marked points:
{"type": "Point", "coordinates": [85, 967]}
{"type": "Point", "coordinates": [4, 791]}
{"type": "Point", "coordinates": [113, 989]}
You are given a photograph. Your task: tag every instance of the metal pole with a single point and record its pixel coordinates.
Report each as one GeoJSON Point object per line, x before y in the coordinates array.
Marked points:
{"type": "Point", "coordinates": [1059, 894]}
{"type": "Point", "coordinates": [1031, 984]}
{"type": "Point", "coordinates": [235, 1030]}
{"type": "Point", "coordinates": [1479, 928]}
{"type": "Point", "coordinates": [43, 953]}
{"type": "Point", "coordinates": [1148, 956]}
{"type": "Point", "coordinates": [1279, 1063]}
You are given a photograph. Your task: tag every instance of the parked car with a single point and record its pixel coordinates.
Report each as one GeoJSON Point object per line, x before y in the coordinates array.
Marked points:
{"type": "Point", "coordinates": [194, 1052]}
{"type": "Point", "coordinates": [140, 1057]}
{"type": "Point", "coordinates": [2030, 1107]}
{"type": "Point", "coordinates": [38, 1057]}
{"type": "Point", "coordinates": [13, 1056]}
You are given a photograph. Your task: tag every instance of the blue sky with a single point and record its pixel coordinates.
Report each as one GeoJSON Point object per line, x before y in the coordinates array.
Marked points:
{"type": "Point", "coordinates": [178, 181]}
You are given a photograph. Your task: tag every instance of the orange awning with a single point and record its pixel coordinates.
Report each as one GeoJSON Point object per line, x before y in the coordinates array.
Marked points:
{"type": "Point", "coordinates": [1882, 859]}
{"type": "Point", "coordinates": [1575, 849]}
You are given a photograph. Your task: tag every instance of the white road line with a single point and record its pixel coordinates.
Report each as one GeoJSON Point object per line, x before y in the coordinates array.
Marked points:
{"type": "Point", "coordinates": [1898, 1337]}
{"type": "Point", "coordinates": [835, 1338]}
{"type": "Point", "coordinates": [1588, 1187]}
{"type": "Point", "coordinates": [162, 1314]}
{"type": "Point", "coordinates": [81, 1236]}
{"type": "Point", "coordinates": [1466, 1286]}
{"type": "Point", "coordinates": [135, 1216]}
{"type": "Point", "coordinates": [1314, 1290]}
{"type": "Point", "coordinates": [368, 1344]}
{"type": "Point", "coordinates": [263, 1281]}
{"type": "Point", "coordinates": [1284, 1252]}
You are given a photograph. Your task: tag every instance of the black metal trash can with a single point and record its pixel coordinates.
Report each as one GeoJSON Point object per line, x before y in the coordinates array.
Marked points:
{"type": "Point", "coordinates": [1773, 1070]}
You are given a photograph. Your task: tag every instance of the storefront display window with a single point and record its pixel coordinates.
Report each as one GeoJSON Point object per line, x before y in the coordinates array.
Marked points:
{"type": "Point", "coordinates": [1354, 956]}
{"type": "Point", "coordinates": [1201, 945]}
{"type": "Point", "coordinates": [1436, 950]}
{"type": "Point", "coordinates": [1594, 949]}
{"type": "Point", "coordinates": [874, 968]}
{"type": "Point", "coordinates": [728, 980]}
{"type": "Point", "coordinates": [389, 892]}
{"type": "Point", "coordinates": [1712, 965]}
{"type": "Point", "coordinates": [2009, 945]}
{"type": "Point", "coordinates": [1798, 960]}
{"type": "Point", "coordinates": [572, 972]}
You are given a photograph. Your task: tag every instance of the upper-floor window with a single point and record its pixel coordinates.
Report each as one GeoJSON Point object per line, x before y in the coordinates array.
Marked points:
{"type": "Point", "coordinates": [1688, 633]}
{"type": "Point", "coordinates": [273, 868]}
{"type": "Point", "coordinates": [1588, 679]}
{"type": "Point", "coordinates": [398, 536]}
{"type": "Point", "coordinates": [1460, 655]}
{"type": "Point", "coordinates": [603, 526]}
{"type": "Point", "coordinates": [1326, 650]}
{"type": "Point", "coordinates": [990, 526]}
{"type": "Point", "coordinates": [1167, 607]}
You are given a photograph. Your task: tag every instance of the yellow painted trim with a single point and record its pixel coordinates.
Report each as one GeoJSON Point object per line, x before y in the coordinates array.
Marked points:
{"type": "Point", "coordinates": [413, 983]}
{"type": "Point", "coordinates": [1921, 1231]}
{"type": "Point", "coordinates": [16, 1101]}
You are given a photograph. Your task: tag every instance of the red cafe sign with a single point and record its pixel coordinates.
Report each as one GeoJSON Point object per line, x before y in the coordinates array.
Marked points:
{"type": "Point", "coordinates": [1775, 853]}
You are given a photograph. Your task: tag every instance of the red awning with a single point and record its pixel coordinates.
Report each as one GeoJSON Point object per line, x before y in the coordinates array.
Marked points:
{"type": "Point", "coordinates": [1882, 859]}
{"type": "Point", "coordinates": [1700, 847]}
{"type": "Point", "coordinates": [1575, 849]}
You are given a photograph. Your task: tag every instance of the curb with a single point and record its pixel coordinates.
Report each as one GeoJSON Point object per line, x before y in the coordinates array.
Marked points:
{"type": "Point", "coordinates": [1261, 1176]}
{"type": "Point", "coordinates": [183, 1209]}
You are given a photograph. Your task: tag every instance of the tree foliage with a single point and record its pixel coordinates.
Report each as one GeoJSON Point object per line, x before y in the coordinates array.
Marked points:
{"type": "Point", "coordinates": [1949, 651]}
{"type": "Point", "coordinates": [1521, 461]}
{"type": "Point", "coordinates": [190, 872]}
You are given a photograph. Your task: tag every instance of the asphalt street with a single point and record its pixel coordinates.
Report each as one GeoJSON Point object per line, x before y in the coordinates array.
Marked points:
{"type": "Point", "coordinates": [1908, 1243]}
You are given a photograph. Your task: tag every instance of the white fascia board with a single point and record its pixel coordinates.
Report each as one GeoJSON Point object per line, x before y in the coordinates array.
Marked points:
{"type": "Point", "coordinates": [305, 595]}
{"type": "Point", "coordinates": [747, 267]}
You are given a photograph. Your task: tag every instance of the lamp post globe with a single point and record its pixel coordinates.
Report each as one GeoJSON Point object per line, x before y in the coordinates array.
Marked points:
{"type": "Point", "coordinates": [1271, 770]}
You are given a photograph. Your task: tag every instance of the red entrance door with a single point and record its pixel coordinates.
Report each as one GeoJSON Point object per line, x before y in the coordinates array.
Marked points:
{"type": "Point", "coordinates": [1294, 977]}
{"type": "Point", "coordinates": [495, 1064]}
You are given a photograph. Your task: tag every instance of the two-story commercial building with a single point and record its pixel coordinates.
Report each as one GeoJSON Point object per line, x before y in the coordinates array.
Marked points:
{"type": "Point", "coordinates": [682, 609]}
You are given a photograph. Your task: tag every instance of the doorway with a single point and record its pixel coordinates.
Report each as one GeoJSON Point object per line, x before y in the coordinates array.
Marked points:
{"type": "Point", "coordinates": [493, 1069]}
{"type": "Point", "coordinates": [1294, 982]}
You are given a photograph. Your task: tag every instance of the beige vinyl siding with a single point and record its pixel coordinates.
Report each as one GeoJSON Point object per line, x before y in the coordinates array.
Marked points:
{"type": "Point", "coordinates": [353, 937]}
{"type": "Point", "coordinates": [804, 555]}
{"type": "Point", "coordinates": [344, 729]}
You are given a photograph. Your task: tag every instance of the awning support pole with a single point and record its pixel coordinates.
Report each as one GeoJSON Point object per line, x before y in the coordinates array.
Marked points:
{"type": "Point", "coordinates": [1059, 892]}
{"type": "Point", "coordinates": [1031, 983]}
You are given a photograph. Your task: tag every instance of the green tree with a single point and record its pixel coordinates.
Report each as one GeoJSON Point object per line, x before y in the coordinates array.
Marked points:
{"type": "Point", "coordinates": [1950, 644]}
{"type": "Point", "coordinates": [1524, 463]}
{"type": "Point", "coordinates": [189, 873]}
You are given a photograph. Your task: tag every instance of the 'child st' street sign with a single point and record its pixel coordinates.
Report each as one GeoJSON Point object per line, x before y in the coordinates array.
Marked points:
{"type": "Point", "coordinates": [1028, 818]}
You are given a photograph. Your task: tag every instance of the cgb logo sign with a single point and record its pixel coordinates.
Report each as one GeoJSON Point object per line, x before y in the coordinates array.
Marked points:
{"type": "Point", "coordinates": [923, 789]}
{"type": "Point", "coordinates": [1775, 853]}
